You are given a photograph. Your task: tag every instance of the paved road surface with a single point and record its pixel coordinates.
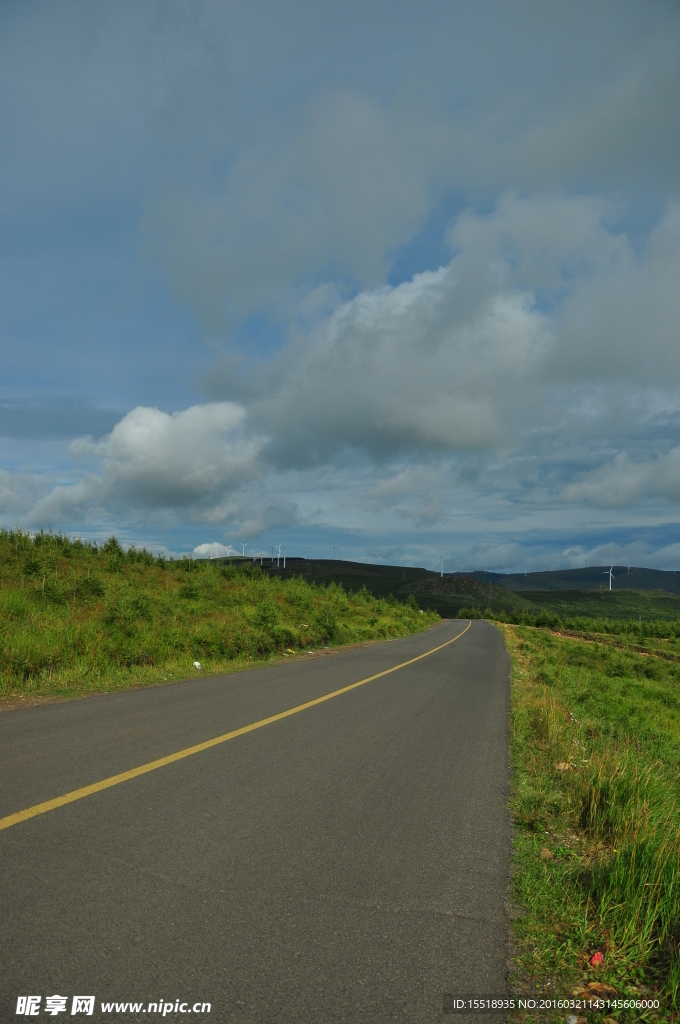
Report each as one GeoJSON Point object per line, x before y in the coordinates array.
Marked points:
{"type": "Point", "coordinates": [348, 863]}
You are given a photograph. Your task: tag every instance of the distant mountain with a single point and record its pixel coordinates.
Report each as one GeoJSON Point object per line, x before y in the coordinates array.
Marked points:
{"type": "Point", "coordinates": [593, 578]}
{"type": "Point", "coordinates": [645, 593]}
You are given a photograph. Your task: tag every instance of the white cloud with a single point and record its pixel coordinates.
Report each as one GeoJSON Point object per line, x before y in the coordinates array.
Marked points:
{"type": "Point", "coordinates": [614, 307]}
{"type": "Point", "coordinates": [623, 482]}
{"type": "Point", "coordinates": [190, 459]}
{"type": "Point", "coordinates": [520, 332]}
{"type": "Point", "coordinates": [279, 164]}
{"type": "Point", "coordinates": [18, 492]}
{"type": "Point", "coordinates": [343, 174]}
{"type": "Point", "coordinates": [424, 366]}
{"type": "Point", "coordinates": [443, 393]}
{"type": "Point", "coordinates": [214, 550]}
{"type": "Point", "coordinates": [345, 187]}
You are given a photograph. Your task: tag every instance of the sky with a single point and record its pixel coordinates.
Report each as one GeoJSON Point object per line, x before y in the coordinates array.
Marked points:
{"type": "Point", "coordinates": [399, 278]}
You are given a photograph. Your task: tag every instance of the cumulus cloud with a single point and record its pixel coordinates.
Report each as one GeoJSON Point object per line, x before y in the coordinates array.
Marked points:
{"type": "Point", "coordinates": [433, 394]}
{"type": "Point", "coordinates": [512, 336]}
{"type": "Point", "coordinates": [153, 460]}
{"type": "Point", "coordinates": [425, 365]}
{"type": "Point", "coordinates": [286, 167]}
{"type": "Point", "coordinates": [18, 492]}
{"type": "Point", "coordinates": [337, 180]}
{"type": "Point", "coordinates": [214, 550]}
{"type": "Point", "coordinates": [212, 249]}
{"type": "Point", "coordinates": [624, 482]}
{"type": "Point", "coordinates": [613, 305]}
{"type": "Point", "coordinates": [621, 321]}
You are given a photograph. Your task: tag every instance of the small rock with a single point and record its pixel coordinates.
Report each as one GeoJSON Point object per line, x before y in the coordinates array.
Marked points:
{"type": "Point", "coordinates": [598, 990]}
{"type": "Point", "coordinates": [546, 854]}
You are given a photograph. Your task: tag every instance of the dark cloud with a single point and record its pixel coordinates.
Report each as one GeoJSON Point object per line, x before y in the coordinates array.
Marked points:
{"type": "Point", "coordinates": [200, 196]}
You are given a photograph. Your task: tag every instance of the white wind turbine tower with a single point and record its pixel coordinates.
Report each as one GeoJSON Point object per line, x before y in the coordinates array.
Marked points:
{"type": "Point", "coordinates": [284, 556]}
{"type": "Point", "coordinates": [611, 576]}
{"type": "Point", "coordinates": [278, 557]}
{"type": "Point", "coordinates": [244, 546]}
{"type": "Point", "coordinates": [441, 559]}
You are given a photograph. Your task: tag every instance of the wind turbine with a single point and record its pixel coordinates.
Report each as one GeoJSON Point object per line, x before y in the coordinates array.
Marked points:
{"type": "Point", "coordinates": [441, 559]}
{"type": "Point", "coordinates": [244, 546]}
{"type": "Point", "coordinates": [284, 556]}
{"type": "Point", "coordinates": [611, 576]}
{"type": "Point", "coordinates": [278, 557]}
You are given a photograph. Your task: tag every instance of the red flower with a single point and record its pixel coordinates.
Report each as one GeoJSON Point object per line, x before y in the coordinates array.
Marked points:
{"type": "Point", "coordinates": [597, 959]}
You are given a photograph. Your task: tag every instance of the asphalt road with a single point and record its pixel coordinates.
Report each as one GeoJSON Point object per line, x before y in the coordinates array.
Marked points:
{"type": "Point", "coordinates": [347, 863]}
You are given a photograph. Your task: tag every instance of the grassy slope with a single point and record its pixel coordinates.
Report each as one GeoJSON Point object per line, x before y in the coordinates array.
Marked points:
{"type": "Point", "coordinates": [446, 595]}
{"type": "Point", "coordinates": [596, 750]}
{"type": "Point", "coordinates": [74, 618]}
{"type": "Point", "coordinates": [594, 578]}
{"type": "Point", "coordinates": [456, 595]}
{"type": "Point", "coordinates": [621, 604]}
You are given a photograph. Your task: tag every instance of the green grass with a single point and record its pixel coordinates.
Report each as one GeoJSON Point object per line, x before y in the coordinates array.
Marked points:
{"type": "Point", "coordinates": [638, 612]}
{"type": "Point", "coordinates": [457, 594]}
{"type": "Point", "coordinates": [445, 595]}
{"type": "Point", "coordinates": [595, 738]}
{"type": "Point", "coordinates": [604, 604]}
{"type": "Point", "coordinates": [76, 618]}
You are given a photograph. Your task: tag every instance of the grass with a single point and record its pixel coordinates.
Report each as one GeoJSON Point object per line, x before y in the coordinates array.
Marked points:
{"type": "Point", "coordinates": [618, 605]}
{"type": "Point", "coordinates": [595, 723]}
{"type": "Point", "coordinates": [76, 617]}
{"type": "Point", "coordinates": [445, 595]}
{"type": "Point", "coordinates": [638, 612]}
{"type": "Point", "coordinates": [595, 735]}
{"type": "Point", "coordinates": [453, 595]}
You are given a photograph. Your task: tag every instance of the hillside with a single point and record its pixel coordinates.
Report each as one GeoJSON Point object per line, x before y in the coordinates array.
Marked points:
{"type": "Point", "coordinates": [592, 578]}
{"type": "Point", "coordinates": [446, 595]}
{"type": "Point", "coordinates": [76, 617]}
{"type": "Point", "coordinates": [563, 595]}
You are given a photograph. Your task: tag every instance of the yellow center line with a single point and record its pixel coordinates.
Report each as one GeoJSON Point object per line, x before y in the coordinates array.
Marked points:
{"type": "Point", "coordinates": [115, 780]}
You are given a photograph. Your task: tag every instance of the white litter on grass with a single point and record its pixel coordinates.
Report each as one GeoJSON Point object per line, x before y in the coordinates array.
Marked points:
{"type": "Point", "coordinates": [197, 665]}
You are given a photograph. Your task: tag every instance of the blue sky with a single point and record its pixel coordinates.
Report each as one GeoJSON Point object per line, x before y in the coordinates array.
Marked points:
{"type": "Point", "coordinates": [398, 277]}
